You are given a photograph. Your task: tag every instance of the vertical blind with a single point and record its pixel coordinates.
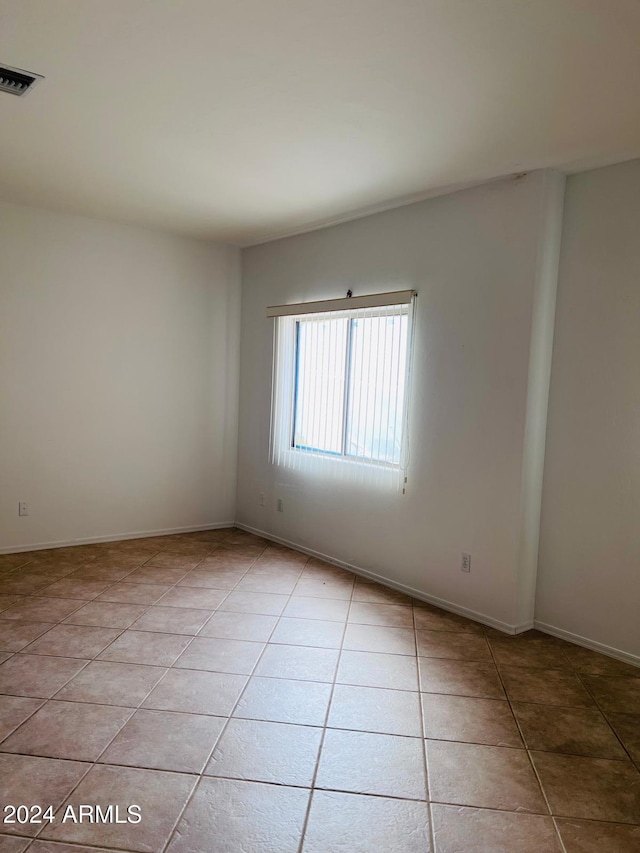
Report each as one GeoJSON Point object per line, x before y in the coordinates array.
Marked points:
{"type": "Point", "coordinates": [341, 379]}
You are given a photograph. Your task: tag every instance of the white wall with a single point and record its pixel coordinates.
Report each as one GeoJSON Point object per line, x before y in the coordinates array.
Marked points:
{"type": "Point", "coordinates": [119, 373]}
{"type": "Point", "coordinates": [474, 258]}
{"type": "Point", "coordinates": [589, 570]}
{"type": "Point", "coordinates": [118, 377]}
{"type": "Point", "coordinates": [540, 351]}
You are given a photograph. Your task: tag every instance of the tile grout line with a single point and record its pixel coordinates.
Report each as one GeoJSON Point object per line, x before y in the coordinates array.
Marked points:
{"type": "Point", "coordinates": [96, 599]}
{"type": "Point", "coordinates": [91, 765]}
{"type": "Point", "coordinates": [312, 790]}
{"type": "Point", "coordinates": [55, 625]}
{"type": "Point", "coordinates": [278, 621]}
{"type": "Point", "coordinates": [90, 660]}
{"type": "Point", "coordinates": [95, 762]}
{"type": "Point", "coordinates": [581, 677]}
{"type": "Point", "coordinates": [527, 750]}
{"type": "Point", "coordinates": [429, 805]}
{"type": "Point", "coordinates": [192, 637]}
{"type": "Point", "coordinates": [200, 775]}
{"type": "Point", "coordinates": [229, 717]}
{"type": "Point", "coordinates": [574, 670]}
{"type": "Point", "coordinates": [122, 630]}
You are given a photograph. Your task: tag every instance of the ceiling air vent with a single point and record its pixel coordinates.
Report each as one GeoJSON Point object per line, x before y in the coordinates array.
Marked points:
{"type": "Point", "coordinates": [16, 81]}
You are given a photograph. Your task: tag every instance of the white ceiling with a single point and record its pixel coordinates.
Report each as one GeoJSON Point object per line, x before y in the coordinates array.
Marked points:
{"type": "Point", "coordinates": [246, 119]}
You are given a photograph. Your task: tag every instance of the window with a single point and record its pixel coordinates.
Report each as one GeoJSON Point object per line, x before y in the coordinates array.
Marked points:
{"type": "Point", "coordinates": [341, 386]}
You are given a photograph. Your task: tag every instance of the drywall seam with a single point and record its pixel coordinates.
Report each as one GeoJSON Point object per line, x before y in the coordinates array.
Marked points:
{"type": "Point", "coordinates": [117, 537]}
{"type": "Point", "coordinates": [384, 581]}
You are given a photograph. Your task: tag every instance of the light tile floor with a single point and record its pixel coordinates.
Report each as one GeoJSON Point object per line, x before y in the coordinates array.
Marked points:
{"type": "Point", "coordinates": [248, 698]}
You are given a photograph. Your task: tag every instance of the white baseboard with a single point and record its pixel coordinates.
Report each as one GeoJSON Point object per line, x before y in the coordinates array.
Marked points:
{"type": "Point", "coordinates": [116, 537]}
{"type": "Point", "coordinates": [392, 584]}
{"type": "Point", "coordinates": [579, 640]}
{"type": "Point", "coordinates": [523, 626]}
{"type": "Point", "coordinates": [611, 651]}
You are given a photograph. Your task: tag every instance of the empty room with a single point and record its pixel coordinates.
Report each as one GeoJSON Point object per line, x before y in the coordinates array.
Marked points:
{"type": "Point", "coordinates": [320, 426]}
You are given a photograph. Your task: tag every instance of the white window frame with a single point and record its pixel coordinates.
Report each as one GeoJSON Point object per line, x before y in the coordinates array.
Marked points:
{"type": "Point", "coordinates": [315, 461]}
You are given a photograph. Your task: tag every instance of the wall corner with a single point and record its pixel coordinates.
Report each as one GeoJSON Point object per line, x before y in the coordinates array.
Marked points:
{"type": "Point", "coordinates": [551, 203]}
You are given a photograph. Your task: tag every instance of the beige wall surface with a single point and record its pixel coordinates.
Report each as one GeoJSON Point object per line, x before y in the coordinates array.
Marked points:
{"type": "Point", "coordinates": [118, 379]}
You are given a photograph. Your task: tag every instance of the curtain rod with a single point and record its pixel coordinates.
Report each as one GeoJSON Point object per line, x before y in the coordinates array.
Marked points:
{"type": "Point", "coordinates": [375, 300]}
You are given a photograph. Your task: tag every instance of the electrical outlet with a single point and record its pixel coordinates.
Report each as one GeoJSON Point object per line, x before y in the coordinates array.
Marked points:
{"type": "Point", "coordinates": [465, 562]}
{"type": "Point", "coordinates": [23, 508]}
{"type": "Point", "coordinates": [261, 499]}
{"type": "Point", "coordinates": [280, 505]}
